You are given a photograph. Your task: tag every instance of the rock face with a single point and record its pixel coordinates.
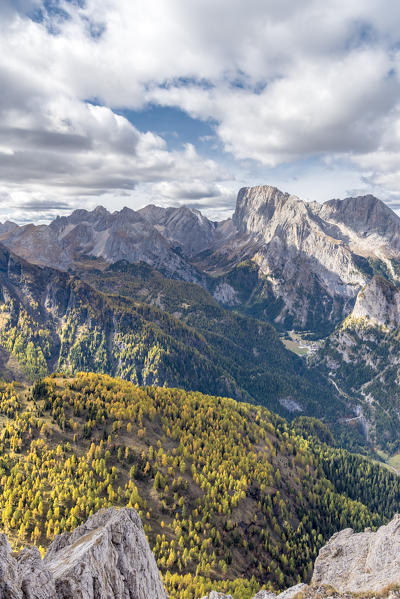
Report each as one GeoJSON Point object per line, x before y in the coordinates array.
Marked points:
{"type": "Point", "coordinates": [362, 356]}
{"type": "Point", "coordinates": [24, 577]}
{"type": "Point", "coordinates": [303, 256]}
{"type": "Point", "coordinates": [185, 228]}
{"type": "Point", "coordinates": [360, 562]}
{"type": "Point", "coordinates": [108, 557]}
{"type": "Point", "coordinates": [215, 595]}
{"type": "Point", "coordinates": [370, 225]}
{"type": "Point", "coordinates": [313, 258]}
{"type": "Point", "coordinates": [290, 593]}
{"type": "Point", "coordinates": [379, 303]}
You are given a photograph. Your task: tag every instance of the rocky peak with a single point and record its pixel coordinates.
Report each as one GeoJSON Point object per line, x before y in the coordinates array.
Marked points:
{"type": "Point", "coordinates": [108, 556]}
{"type": "Point", "coordinates": [269, 214]}
{"type": "Point", "coordinates": [100, 210]}
{"type": "Point", "coordinates": [259, 208]}
{"type": "Point", "coordinates": [363, 214]}
{"type": "Point", "coordinates": [255, 207]}
{"type": "Point", "coordinates": [153, 214]}
{"type": "Point", "coordinates": [7, 226]}
{"type": "Point", "coordinates": [125, 217]}
{"type": "Point", "coordinates": [313, 258]}
{"type": "Point", "coordinates": [184, 227]}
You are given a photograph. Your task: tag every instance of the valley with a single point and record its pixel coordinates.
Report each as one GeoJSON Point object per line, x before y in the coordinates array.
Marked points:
{"type": "Point", "coordinates": [299, 344]}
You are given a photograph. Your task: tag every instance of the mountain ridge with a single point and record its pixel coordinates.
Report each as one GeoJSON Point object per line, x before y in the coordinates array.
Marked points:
{"type": "Point", "coordinates": [306, 261]}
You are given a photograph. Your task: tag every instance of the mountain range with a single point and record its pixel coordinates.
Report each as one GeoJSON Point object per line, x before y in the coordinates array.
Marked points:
{"type": "Point", "coordinates": [297, 264]}
{"type": "Point", "coordinates": [139, 351]}
{"type": "Point", "coordinates": [166, 296]}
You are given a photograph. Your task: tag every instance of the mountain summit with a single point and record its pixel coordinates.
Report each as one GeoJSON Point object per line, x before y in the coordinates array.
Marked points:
{"type": "Point", "coordinates": [311, 259]}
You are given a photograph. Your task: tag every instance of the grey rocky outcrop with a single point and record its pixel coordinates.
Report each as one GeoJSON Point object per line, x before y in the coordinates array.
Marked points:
{"type": "Point", "coordinates": [264, 595]}
{"type": "Point", "coordinates": [290, 593]}
{"type": "Point", "coordinates": [108, 557]}
{"type": "Point", "coordinates": [24, 576]}
{"type": "Point", "coordinates": [216, 595]}
{"type": "Point", "coordinates": [378, 303]}
{"type": "Point", "coordinates": [360, 562]}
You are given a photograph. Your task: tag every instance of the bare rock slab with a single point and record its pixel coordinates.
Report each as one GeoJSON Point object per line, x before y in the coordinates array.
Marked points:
{"type": "Point", "coordinates": [360, 562]}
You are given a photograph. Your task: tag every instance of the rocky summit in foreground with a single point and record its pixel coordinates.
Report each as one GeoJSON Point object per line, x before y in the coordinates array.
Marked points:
{"type": "Point", "coordinates": [367, 562]}
{"type": "Point", "coordinates": [108, 557]}
{"type": "Point", "coordinates": [350, 564]}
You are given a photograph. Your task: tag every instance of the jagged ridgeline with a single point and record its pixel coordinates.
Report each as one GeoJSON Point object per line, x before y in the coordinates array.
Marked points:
{"type": "Point", "coordinates": [52, 321]}
{"type": "Point", "coordinates": [230, 496]}
{"type": "Point", "coordinates": [297, 264]}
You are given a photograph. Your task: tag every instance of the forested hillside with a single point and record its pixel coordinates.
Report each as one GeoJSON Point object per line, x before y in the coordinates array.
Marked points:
{"type": "Point", "coordinates": [363, 359]}
{"type": "Point", "coordinates": [51, 320]}
{"type": "Point", "coordinates": [231, 497]}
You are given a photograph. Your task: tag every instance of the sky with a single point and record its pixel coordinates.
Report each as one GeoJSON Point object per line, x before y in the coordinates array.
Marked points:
{"type": "Point", "coordinates": [131, 102]}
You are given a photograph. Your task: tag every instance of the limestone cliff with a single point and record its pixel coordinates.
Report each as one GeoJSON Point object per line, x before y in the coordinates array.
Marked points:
{"type": "Point", "coordinates": [362, 356]}
{"type": "Point", "coordinates": [379, 303]}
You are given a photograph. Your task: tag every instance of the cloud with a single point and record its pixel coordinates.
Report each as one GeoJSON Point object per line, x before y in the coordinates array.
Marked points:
{"type": "Point", "coordinates": [193, 190]}
{"type": "Point", "coordinates": [279, 82]}
{"type": "Point", "coordinates": [40, 205]}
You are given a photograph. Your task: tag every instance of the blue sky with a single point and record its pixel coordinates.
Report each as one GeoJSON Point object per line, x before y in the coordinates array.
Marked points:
{"type": "Point", "coordinates": [120, 102]}
{"type": "Point", "coordinates": [175, 126]}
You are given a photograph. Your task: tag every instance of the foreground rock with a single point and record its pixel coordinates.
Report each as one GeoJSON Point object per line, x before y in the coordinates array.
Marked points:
{"type": "Point", "coordinates": [350, 564]}
{"type": "Point", "coordinates": [361, 562]}
{"type": "Point", "coordinates": [108, 557]}
{"type": "Point", "coordinates": [291, 593]}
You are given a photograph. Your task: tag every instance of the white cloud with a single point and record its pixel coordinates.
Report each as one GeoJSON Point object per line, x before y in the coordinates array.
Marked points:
{"type": "Point", "coordinates": [58, 151]}
{"type": "Point", "coordinates": [283, 81]}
